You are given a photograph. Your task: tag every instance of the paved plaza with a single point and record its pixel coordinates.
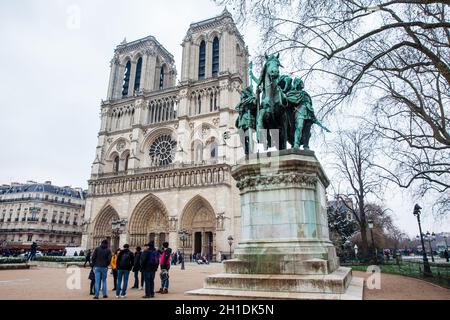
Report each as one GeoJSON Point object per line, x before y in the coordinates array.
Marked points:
{"type": "Point", "coordinates": [50, 284]}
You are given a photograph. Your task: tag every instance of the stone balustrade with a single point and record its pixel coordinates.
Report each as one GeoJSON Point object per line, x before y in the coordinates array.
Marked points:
{"type": "Point", "coordinates": [161, 180]}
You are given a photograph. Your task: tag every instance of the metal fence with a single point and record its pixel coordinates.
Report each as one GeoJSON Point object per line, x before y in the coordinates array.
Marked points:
{"type": "Point", "coordinates": [410, 268]}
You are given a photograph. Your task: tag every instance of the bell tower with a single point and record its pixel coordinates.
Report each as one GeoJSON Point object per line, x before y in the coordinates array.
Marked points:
{"type": "Point", "coordinates": [138, 66]}
{"type": "Point", "coordinates": [213, 47]}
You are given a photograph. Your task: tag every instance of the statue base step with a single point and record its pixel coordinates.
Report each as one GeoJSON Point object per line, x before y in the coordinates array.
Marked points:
{"type": "Point", "coordinates": [336, 286]}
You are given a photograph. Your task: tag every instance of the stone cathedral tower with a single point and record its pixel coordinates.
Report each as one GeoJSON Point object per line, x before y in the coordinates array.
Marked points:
{"type": "Point", "coordinates": [162, 164]}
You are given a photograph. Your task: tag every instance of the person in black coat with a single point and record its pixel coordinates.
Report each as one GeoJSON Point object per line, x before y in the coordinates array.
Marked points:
{"type": "Point", "coordinates": [87, 259]}
{"type": "Point", "coordinates": [149, 265]}
{"type": "Point", "coordinates": [101, 258]}
{"type": "Point", "coordinates": [137, 269]}
{"type": "Point", "coordinates": [125, 262]}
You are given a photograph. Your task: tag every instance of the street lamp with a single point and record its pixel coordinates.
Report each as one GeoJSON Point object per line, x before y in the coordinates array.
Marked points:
{"type": "Point", "coordinates": [426, 265]}
{"type": "Point", "coordinates": [230, 242]}
{"type": "Point", "coordinates": [183, 237]}
{"type": "Point", "coordinates": [370, 225]}
{"type": "Point", "coordinates": [430, 237]}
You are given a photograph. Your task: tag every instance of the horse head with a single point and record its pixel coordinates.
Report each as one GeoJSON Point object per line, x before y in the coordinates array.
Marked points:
{"type": "Point", "coordinates": [273, 66]}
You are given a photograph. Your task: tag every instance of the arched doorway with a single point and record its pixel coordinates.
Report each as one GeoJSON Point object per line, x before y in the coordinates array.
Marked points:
{"type": "Point", "coordinates": [103, 228]}
{"type": "Point", "coordinates": [199, 219]}
{"type": "Point", "coordinates": [149, 222]}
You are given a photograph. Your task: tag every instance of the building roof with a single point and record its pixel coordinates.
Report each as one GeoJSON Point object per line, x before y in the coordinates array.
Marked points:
{"type": "Point", "coordinates": [43, 187]}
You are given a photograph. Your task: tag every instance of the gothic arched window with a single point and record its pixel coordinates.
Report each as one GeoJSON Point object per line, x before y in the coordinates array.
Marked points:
{"type": "Point", "coordinates": [116, 164]}
{"type": "Point", "coordinates": [126, 80]}
{"type": "Point", "coordinates": [199, 153]}
{"type": "Point", "coordinates": [199, 104]}
{"type": "Point", "coordinates": [126, 162]}
{"type": "Point", "coordinates": [214, 151]}
{"type": "Point", "coordinates": [161, 78]}
{"type": "Point", "coordinates": [216, 57]}
{"type": "Point", "coordinates": [137, 79]}
{"type": "Point", "coordinates": [202, 61]}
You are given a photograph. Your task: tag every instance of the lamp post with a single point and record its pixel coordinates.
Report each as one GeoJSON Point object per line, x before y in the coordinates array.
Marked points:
{"type": "Point", "coordinates": [426, 265]}
{"type": "Point", "coordinates": [446, 245]}
{"type": "Point", "coordinates": [370, 225]}
{"type": "Point", "coordinates": [230, 242]}
{"type": "Point", "coordinates": [430, 237]}
{"type": "Point", "coordinates": [183, 237]}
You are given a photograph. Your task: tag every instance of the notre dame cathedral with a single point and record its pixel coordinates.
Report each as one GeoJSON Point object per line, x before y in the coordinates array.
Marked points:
{"type": "Point", "coordinates": [162, 162]}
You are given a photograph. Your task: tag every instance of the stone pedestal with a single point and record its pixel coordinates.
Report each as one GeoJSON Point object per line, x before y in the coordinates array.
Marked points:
{"type": "Point", "coordinates": [285, 250]}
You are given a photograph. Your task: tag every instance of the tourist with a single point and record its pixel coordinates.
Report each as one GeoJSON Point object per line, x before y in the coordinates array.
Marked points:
{"type": "Point", "coordinates": [32, 253]}
{"type": "Point", "coordinates": [137, 268]}
{"type": "Point", "coordinates": [149, 265]}
{"type": "Point", "coordinates": [87, 259]}
{"type": "Point", "coordinates": [164, 262]}
{"type": "Point", "coordinates": [113, 266]}
{"type": "Point", "coordinates": [446, 256]}
{"type": "Point", "coordinates": [125, 262]}
{"type": "Point", "coordinates": [101, 259]}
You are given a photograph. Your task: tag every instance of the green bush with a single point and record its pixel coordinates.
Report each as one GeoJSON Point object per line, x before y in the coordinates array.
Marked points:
{"type": "Point", "coordinates": [60, 259]}
{"type": "Point", "coordinates": [12, 260]}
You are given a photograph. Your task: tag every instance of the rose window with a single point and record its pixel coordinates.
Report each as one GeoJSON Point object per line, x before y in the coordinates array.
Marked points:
{"type": "Point", "coordinates": [162, 150]}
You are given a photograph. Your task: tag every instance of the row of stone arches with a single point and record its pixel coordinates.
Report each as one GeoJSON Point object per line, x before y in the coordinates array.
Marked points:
{"type": "Point", "coordinates": [150, 221]}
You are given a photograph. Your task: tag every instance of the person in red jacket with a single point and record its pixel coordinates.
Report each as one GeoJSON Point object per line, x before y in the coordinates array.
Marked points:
{"type": "Point", "coordinates": [164, 263]}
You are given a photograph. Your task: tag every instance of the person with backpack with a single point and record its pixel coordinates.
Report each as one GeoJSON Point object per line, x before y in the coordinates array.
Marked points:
{"type": "Point", "coordinates": [137, 269]}
{"type": "Point", "coordinates": [149, 265]}
{"type": "Point", "coordinates": [113, 266]}
{"type": "Point", "coordinates": [164, 263]}
{"type": "Point", "coordinates": [101, 258]}
{"type": "Point", "coordinates": [125, 262]}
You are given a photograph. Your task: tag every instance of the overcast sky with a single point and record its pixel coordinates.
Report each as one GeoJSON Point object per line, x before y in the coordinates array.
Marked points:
{"type": "Point", "coordinates": [54, 64]}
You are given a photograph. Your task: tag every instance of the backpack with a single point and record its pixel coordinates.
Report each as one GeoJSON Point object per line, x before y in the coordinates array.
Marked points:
{"type": "Point", "coordinates": [154, 258]}
{"type": "Point", "coordinates": [125, 261]}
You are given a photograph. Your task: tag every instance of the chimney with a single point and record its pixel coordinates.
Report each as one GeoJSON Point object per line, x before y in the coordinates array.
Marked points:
{"type": "Point", "coordinates": [31, 182]}
{"type": "Point", "coordinates": [48, 182]}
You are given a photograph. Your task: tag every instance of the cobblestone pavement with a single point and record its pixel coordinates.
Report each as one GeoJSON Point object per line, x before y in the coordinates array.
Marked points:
{"type": "Point", "coordinates": [50, 284]}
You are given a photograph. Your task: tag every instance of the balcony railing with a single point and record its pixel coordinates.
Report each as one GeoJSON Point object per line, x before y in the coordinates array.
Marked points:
{"type": "Point", "coordinates": [16, 220]}
{"type": "Point", "coordinates": [61, 222]}
{"type": "Point", "coordinates": [44, 220]}
{"type": "Point", "coordinates": [53, 220]}
{"type": "Point", "coordinates": [23, 219]}
{"type": "Point", "coordinates": [67, 222]}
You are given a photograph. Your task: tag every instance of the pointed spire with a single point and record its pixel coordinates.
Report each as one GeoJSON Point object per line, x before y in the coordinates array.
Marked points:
{"type": "Point", "coordinates": [124, 41]}
{"type": "Point", "coordinates": [226, 12]}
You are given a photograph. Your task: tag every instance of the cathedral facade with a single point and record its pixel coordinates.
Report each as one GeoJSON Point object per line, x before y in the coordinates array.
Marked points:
{"type": "Point", "coordinates": [163, 160]}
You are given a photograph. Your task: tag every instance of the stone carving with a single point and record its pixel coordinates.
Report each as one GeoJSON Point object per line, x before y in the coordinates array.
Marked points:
{"type": "Point", "coordinates": [121, 145]}
{"type": "Point", "coordinates": [254, 181]}
{"type": "Point", "coordinates": [220, 221]}
{"type": "Point", "coordinates": [173, 221]}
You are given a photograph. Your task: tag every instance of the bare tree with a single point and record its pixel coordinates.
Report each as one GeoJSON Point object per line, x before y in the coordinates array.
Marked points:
{"type": "Point", "coordinates": [355, 154]}
{"type": "Point", "coordinates": [395, 52]}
